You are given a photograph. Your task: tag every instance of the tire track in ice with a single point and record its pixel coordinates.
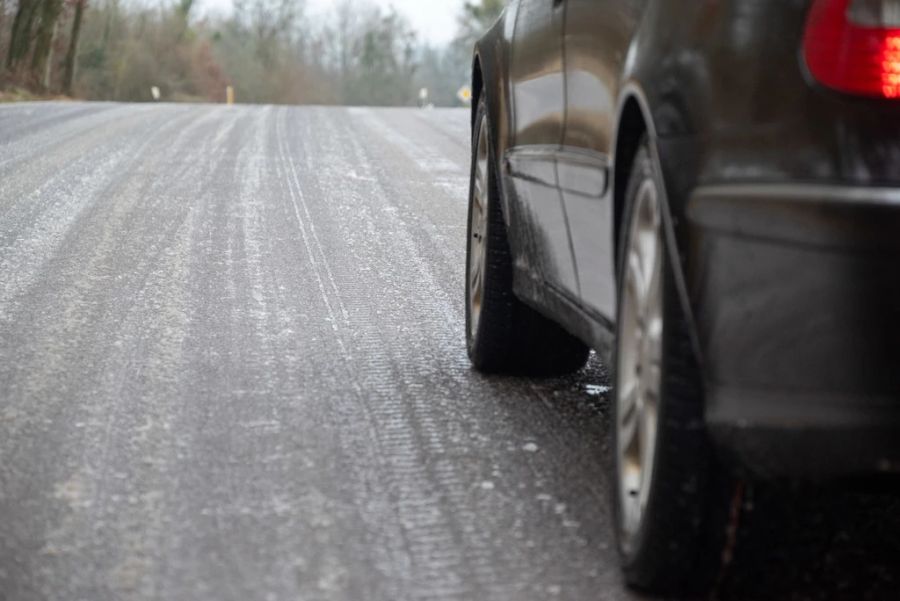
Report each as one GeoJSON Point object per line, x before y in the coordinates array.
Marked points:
{"type": "Point", "coordinates": [434, 386]}
{"type": "Point", "coordinates": [62, 130]}
{"type": "Point", "coordinates": [310, 238]}
{"type": "Point", "coordinates": [41, 220]}
{"type": "Point", "coordinates": [92, 522]}
{"type": "Point", "coordinates": [364, 449]}
{"type": "Point", "coordinates": [440, 565]}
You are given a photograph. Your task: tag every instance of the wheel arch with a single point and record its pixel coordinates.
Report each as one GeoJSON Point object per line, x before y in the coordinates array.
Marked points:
{"type": "Point", "coordinates": [489, 84]}
{"type": "Point", "coordinates": [634, 124]}
{"type": "Point", "coordinates": [631, 130]}
{"type": "Point", "coordinates": [477, 86]}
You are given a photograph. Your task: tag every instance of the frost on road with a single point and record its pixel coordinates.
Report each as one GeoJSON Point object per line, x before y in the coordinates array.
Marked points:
{"type": "Point", "coordinates": [232, 366]}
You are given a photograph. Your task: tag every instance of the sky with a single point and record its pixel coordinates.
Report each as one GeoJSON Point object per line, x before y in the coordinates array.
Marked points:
{"type": "Point", "coordinates": [433, 20]}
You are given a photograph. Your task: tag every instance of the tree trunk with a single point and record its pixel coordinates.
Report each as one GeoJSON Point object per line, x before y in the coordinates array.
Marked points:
{"type": "Point", "coordinates": [20, 36]}
{"type": "Point", "coordinates": [72, 52]}
{"type": "Point", "coordinates": [112, 13]}
{"type": "Point", "coordinates": [43, 44]}
{"type": "Point", "coordinates": [48, 63]}
{"type": "Point", "coordinates": [2, 15]}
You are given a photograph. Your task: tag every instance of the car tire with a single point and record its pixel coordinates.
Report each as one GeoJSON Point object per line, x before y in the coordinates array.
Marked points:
{"type": "Point", "coordinates": [671, 502]}
{"type": "Point", "coordinates": [503, 334]}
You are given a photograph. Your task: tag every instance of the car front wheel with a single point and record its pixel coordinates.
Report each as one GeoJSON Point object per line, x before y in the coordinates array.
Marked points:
{"type": "Point", "coordinates": [503, 334]}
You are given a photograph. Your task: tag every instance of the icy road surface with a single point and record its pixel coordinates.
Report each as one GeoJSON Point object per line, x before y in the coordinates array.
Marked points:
{"type": "Point", "coordinates": [232, 367]}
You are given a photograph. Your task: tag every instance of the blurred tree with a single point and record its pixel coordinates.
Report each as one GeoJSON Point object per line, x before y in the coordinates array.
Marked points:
{"type": "Point", "coordinates": [206, 74]}
{"type": "Point", "coordinates": [33, 32]}
{"type": "Point", "coordinates": [43, 42]}
{"type": "Point", "coordinates": [182, 17]}
{"type": "Point", "coordinates": [21, 34]}
{"type": "Point", "coordinates": [371, 53]}
{"type": "Point", "coordinates": [441, 72]}
{"type": "Point", "coordinates": [272, 24]}
{"type": "Point", "coordinates": [384, 65]}
{"type": "Point", "coordinates": [477, 17]}
{"type": "Point", "coordinates": [269, 50]}
{"type": "Point", "coordinates": [483, 14]}
{"type": "Point", "coordinates": [3, 10]}
{"type": "Point", "coordinates": [263, 52]}
{"type": "Point", "coordinates": [72, 51]}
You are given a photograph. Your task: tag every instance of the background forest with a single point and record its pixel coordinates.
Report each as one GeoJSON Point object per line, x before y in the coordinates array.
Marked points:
{"type": "Point", "coordinates": [270, 51]}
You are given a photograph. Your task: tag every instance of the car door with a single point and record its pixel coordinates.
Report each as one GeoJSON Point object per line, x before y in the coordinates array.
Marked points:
{"type": "Point", "coordinates": [597, 36]}
{"type": "Point", "coordinates": [537, 85]}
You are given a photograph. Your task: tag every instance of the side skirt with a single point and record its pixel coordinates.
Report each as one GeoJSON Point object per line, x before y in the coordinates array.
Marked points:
{"type": "Point", "coordinates": [592, 329]}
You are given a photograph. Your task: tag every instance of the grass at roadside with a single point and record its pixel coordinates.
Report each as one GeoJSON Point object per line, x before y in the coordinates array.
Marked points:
{"type": "Point", "coordinates": [16, 94]}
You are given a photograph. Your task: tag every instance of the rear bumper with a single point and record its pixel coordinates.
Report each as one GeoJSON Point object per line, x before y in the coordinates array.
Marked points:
{"type": "Point", "coordinates": [796, 294]}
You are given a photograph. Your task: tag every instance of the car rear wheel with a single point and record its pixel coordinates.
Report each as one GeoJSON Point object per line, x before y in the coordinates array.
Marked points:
{"type": "Point", "coordinates": [503, 334]}
{"type": "Point", "coordinates": [671, 502]}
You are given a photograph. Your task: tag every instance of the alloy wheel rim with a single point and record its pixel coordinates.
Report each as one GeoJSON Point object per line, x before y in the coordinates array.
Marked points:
{"type": "Point", "coordinates": [478, 231]}
{"type": "Point", "coordinates": [639, 370]}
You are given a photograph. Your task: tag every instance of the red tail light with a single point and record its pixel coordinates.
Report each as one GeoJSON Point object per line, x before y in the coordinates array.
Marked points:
{"type": "Point", "coordinates": [853, 46]}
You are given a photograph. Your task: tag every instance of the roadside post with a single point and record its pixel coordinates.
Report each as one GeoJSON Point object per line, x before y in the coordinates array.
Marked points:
{"type": "Point", "coordinates": [465, 95]}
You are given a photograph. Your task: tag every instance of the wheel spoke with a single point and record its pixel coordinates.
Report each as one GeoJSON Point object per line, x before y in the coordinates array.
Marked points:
{"type": "Point", "coordinates": [477, 226]}
{"type": "Point", "coordinates": [476, 276]}
{"type": "Point", "coordinates": [479, 187]}
{"type": "Point", "coordinates": [654, 213]}
{"type": "Point", "coordinates": [629, 414]}
{"type": "Point", "coordinates": [636, 277]}
{"type": "Point", "coordinates": [654, 283]}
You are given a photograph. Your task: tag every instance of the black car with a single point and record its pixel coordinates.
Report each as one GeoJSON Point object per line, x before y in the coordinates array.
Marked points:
{"type": "Point", "coordinates": [707, 193]}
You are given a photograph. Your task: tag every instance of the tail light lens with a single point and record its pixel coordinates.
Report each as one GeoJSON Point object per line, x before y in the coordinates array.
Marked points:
{"type": "Point", "coordinates": [853, 46]}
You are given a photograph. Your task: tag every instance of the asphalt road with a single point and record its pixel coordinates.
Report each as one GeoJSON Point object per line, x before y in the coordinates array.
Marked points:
{"type": "Point", "coordinates": [232, 367]}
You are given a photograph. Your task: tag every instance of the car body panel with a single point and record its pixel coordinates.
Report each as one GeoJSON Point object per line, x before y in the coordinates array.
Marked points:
{"type": "Point", "coordinates": [596, 42]}
{"type": "Point", "coordinates": [797, 311]}
{"type": "Point", "coordinates": [537, 81]}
